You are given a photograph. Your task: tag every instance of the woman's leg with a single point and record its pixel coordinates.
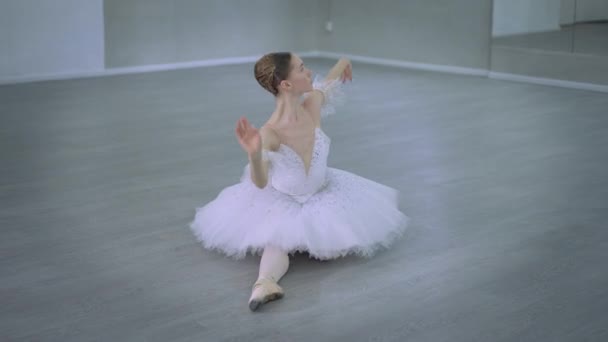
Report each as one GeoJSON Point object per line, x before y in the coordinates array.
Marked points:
{"type": "Point", "coordinates": [273, 266]}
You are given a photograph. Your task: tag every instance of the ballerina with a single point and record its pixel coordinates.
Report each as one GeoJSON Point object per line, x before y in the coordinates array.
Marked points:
{"type": "Point", "coordinates": [288, 200]}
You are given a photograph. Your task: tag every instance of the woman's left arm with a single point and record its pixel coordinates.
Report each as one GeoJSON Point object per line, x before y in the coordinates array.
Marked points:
{"type": "Point", "coordinates": [340, 72]}
{"type": "Point", "coordinates": [343, 70]}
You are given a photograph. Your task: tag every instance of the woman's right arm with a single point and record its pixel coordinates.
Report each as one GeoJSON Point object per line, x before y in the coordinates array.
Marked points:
{"type": "Point", "coordinates": [260, 165]}
{"type": "Point", "coordinates": [259, 170]}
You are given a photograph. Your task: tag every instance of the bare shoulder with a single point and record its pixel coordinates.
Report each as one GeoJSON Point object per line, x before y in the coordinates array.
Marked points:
{"type": "Point", "coordinates": [270, 138]}
{"type": "Point", "coordinates": [312, 105]}
{"type": "Point", "coordinates": [314, 100]}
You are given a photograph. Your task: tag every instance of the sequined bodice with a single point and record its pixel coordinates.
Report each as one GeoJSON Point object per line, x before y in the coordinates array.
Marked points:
{"type": "Point", "coordinates": [287, 170]}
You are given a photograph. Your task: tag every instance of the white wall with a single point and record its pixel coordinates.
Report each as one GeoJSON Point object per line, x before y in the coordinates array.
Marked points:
{"type": "Point", "coordinates": [439, 32]}
{"type": "Point", "coordinates": [144, 32]}
{"type": "Point", "coordinates": [50, 38]}
{"type": "Point", "coordinates": [567, 12]}
{"type": "Point", "coordinates": [525, 16]}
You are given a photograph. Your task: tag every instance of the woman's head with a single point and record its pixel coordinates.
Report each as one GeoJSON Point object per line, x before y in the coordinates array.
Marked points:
{"type": "Point", "coordinates": [283, 72]}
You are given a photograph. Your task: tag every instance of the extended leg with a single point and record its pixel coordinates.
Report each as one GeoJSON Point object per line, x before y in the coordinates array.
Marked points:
{"type": "Point", "coordinates": [273, 265]}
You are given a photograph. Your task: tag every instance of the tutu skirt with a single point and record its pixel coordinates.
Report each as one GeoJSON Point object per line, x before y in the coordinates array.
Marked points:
{"type": "Point", "coordinates": [350, 214]}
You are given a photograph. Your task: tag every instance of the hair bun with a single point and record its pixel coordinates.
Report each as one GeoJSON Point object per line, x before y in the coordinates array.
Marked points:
{"type": "Point", "coordinates": [271, 69]}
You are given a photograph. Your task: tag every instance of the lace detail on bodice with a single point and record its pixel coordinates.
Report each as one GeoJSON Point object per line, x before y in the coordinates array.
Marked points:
{"type": "Point", "coordinates": [287, 172]}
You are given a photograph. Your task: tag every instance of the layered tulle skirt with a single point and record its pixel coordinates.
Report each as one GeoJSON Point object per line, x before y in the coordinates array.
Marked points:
{"type": "Point", "coordinates": [350, 214]}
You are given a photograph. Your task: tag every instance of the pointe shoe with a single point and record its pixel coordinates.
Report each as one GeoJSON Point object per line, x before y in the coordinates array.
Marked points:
{"type": "Point", "coordinates": [264, 290]}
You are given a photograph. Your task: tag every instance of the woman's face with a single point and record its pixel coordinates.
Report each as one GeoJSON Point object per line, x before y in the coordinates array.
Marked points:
{"type": "Point", "coordinates": [300, 76]}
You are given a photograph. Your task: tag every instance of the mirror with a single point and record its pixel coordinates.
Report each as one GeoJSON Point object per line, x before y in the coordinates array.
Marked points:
{"type": "Point", "coordinates": [534, 24]}
{"type": "Point", "coordinates": [590, 27]}
{"type": "Point", "coordinates": [545, 40]}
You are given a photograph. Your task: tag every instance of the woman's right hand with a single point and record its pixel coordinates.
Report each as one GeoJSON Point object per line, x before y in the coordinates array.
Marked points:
{"type": "Point", "coordinates": [249, 137]}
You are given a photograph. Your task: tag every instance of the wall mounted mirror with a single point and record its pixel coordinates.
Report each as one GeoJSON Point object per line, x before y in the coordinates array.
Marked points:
{"type": "Point", "coordinates": [553, 39]}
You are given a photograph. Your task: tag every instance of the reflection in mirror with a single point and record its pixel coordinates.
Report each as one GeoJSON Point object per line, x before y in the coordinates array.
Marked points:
{"type": "Point", "coordinates": [534, 24]}
{"type": "Point", "coordinates": [590, 27]}
{"type": "Point", "coordinates": [556, 42]}
{"type": "Point", "coordinates": [574, 26]}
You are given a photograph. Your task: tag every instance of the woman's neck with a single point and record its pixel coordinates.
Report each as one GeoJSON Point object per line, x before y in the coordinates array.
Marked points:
{"type": "Point", "coordinates": [288, 110]}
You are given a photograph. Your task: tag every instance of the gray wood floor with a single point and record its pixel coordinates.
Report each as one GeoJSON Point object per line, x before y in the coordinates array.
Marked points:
{"type": "Point", "coordinates": [506, 185]}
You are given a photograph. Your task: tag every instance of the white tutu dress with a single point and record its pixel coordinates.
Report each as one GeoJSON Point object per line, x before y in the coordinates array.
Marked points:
{"type": "Point", "coordinates": [326, 212]}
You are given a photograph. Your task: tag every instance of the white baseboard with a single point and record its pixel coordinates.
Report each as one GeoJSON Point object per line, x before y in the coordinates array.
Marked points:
{"type": "Point", "coordinates": [50, 76]}
{"type": "Point", "coordinates": [322, 54]}
{"type": "Point", "coordinates": [139, 69]}
{"type": "Point", "coordinates": [195, 64]}
{"type": "Point", "coordinates": [469, 71]}
{"type": "Point", "coordinates": [548, 81]}
{"type": "Point", "coordinates": [238, 60]}
{"type": "Point", "coordinates": [407, 65]}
